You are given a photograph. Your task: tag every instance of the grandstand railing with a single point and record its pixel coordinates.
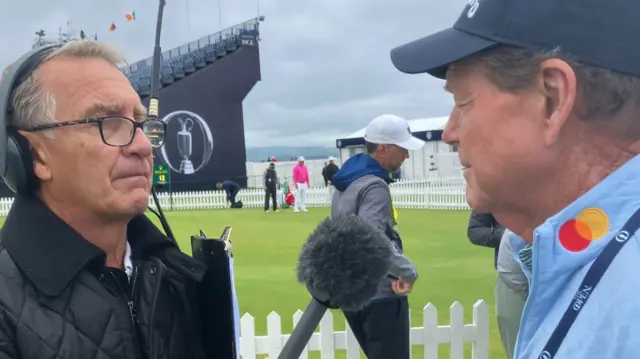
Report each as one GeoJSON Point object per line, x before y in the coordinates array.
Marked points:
{"type": "Point", "coordinates": [188, 58]}
{"type": "Point", "coordinates": [431, 193]}
{"type": "Point", "coordinates": [429, 336]}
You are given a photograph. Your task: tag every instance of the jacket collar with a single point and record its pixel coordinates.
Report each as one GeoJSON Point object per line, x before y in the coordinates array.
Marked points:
{"type": "Point", "coordinates": [50, 253]}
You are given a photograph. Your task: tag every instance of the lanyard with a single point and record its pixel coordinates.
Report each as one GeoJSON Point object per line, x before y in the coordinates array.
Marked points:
{"type": "Point", "coordinates": [591, 279]}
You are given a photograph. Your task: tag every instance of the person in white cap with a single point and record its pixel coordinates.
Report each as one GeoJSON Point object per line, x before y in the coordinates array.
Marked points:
{"type": "Point", "coordinates": [362, 189]}
{"type": "Point", "coordinates": [301, 184]}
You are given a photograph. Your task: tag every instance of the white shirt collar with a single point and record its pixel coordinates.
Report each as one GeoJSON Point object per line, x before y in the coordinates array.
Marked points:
{"type": "Point", "coordinates": [128, 264]}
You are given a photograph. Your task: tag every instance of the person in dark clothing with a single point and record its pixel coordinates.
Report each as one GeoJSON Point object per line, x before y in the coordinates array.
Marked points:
{"type": "Point", "coordinates": [232, 189]}
{"type": "Point", "coordinates": [271, 186]}
{"type": "Point", "coordinates": [329, 171]}
{"type": "Point", "coordinates": [112, 306]}
{"type": "Point", "coordinates": [84, 273]}
{"type": "Point", "coordinates": [484, 230]}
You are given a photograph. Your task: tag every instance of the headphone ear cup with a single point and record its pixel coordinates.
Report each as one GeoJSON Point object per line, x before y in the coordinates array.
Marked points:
{"type": "Point", "coordinates": [20, 177]}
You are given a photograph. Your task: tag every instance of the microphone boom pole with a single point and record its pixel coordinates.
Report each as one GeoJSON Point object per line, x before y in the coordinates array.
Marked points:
{"type": "Point", "coordinates": [303, 330]}
{"type": "Point", "coordinates": [154, 105]}
{"type": "Point", "coordinates": [155, 69]}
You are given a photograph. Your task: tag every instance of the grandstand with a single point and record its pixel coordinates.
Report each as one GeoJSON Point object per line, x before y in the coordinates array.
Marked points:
{"type": "Point", "coordinates": [204, 82]}
{"type": "Point", "coordinates": [210, 77]}
{"type": "Point", "coordinates": [187, 59]}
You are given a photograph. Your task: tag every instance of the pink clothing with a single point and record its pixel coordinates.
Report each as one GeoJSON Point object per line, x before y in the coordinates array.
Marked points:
{"type": "Point", "coordinates": [300, 174]}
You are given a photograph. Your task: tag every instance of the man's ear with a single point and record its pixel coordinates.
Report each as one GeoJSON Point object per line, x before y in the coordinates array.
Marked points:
{"type": "Point", "coordinates": [559, 85]}
{"type": "Point", "coordinates": [38, 148]}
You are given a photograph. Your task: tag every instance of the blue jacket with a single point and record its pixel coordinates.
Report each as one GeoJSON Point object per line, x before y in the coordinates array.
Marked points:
{"type": "Point", "coordinates": [606, 326]}
{"type": "Point", "coordinates": [358, 166]}
{"type": "Point", "coordinates": [230, 187]}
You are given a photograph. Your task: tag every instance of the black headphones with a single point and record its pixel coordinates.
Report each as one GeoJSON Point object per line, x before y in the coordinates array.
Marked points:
{"type": "Point", "coordinates": [16, 162]}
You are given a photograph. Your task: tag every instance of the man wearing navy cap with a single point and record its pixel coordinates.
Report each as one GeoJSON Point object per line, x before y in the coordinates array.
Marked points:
{"type": "Point", "coordinates": [547, 125]}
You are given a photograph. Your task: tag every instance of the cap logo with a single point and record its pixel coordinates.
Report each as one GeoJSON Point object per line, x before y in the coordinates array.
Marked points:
{"type": "Point", "coordinates": [473, 7]}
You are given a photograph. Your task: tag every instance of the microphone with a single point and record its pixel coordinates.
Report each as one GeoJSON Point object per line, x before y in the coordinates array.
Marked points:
{"type": "Point", "coordinates": [342, 264]}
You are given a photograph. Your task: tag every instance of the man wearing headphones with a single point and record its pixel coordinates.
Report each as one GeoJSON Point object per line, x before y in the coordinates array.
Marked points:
{"type": "Point", "coordinates": [547, 125]}
{"type": "Point", "coordinates": [83, 272]}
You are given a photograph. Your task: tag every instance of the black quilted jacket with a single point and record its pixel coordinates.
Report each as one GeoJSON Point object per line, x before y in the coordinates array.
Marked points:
{"type": "Point", "coordinates": [58, 300]}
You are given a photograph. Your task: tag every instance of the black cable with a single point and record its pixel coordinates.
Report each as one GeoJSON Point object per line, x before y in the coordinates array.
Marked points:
{"type": "Point", "coordinates": [161, 216]}
{"type": "Point", "coordinates": [154, 102]}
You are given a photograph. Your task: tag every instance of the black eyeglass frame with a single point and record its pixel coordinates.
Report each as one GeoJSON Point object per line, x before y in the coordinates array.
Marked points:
{"type": "Point", "coordinates": [99, 121]}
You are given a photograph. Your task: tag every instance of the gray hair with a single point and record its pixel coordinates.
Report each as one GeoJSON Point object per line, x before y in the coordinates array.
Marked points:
{"type": "Point", "coordinates": [604, 92]}
{"type": "Point", "coordinates": [34, 106]}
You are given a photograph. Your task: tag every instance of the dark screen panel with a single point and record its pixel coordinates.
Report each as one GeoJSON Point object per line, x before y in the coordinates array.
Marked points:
{"type": "Point", "coordinates": [204, 113]}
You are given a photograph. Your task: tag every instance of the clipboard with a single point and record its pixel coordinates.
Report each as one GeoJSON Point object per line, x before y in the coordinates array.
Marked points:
{"type": "Point", "coordinates": [219, 308]}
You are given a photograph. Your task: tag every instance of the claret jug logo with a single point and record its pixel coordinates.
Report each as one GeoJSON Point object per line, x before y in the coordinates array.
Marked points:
{"type": "Point", "coordinates": [589, 225]}
{"type": "Point", "coordinates": [180, 139]}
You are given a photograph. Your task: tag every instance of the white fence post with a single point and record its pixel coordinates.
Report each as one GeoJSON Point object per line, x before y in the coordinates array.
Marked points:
{"type": "Point", "coordinates": [327, 341]}
{"type": "Point", "coordinates": [248, 337]}
{"type": "Point", "coordinates": [430, 331]}
{"type": "Point", "coordinates": [481, 336]}
{"type": "Point", "coordinates": [274, 334]}
{"type": "Point", "coordinates": [296, 319]}
{"type": "Point", "coordinates": [456, 334]}
{"type": "Point", "coordinates": [352, 346]}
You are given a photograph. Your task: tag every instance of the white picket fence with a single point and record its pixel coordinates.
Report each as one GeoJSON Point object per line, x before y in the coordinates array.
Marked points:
{"type": "Point", "coordinates": [440, 193]}
{"type": "Point", "coordinates": [425, 193]}
{"type": "Point", "coordinates": [429, 336]}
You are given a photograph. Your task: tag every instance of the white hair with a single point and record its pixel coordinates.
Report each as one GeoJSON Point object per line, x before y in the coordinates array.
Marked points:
{"type": "Point", "coordinates": [34, 106]}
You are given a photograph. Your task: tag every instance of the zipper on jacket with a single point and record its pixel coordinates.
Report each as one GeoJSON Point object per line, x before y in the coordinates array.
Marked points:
{"type": "Point", "coordinates": [132, 296]}
{"type": "Point", "coordinates": [132, 309]}
{"type": "Point", "coordinates": [154, 302]}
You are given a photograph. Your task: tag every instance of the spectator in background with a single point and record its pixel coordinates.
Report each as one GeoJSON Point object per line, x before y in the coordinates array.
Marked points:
{"type": "Point", "coordinates": [328, 172]}
{"type": "Point", "coordinates": [232, 189]}
{"type": "Point", "coordinates": [301, 184]}
{"type": "Point", "coordinates": [271, 186]}
{"type": "Point", "coordinates": [362, 184]}
{"type": "Point", "coordinates": [484, 230]}
{"type": "Point", "coordinates": [511, 292]}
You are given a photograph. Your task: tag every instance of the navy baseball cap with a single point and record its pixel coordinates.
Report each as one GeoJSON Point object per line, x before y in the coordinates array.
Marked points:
{"type": "Point", "coordinates": [600, 33]}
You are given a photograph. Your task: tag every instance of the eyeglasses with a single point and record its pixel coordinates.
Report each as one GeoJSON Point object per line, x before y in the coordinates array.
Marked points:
{"type": "Point", "coordinates": [116, 131]}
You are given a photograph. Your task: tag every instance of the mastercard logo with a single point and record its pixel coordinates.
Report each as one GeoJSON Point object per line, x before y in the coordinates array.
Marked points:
{"type": "Point", "coordinates": [589, 225]}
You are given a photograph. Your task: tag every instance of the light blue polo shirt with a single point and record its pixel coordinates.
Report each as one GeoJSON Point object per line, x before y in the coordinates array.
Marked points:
{"type": "Point", "coordinates": [608, 325]}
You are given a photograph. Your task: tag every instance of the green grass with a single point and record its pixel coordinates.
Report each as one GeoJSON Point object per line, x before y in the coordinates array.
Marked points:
{"type": "Point", "coordinates": [266, 246]}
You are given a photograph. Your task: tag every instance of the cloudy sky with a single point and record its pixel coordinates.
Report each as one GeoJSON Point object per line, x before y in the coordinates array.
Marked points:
{"type": "Point", "coordinates": [325, 64]}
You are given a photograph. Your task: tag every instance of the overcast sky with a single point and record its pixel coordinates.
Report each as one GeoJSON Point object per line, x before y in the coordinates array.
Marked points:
{"type": "Point", "coordinates": [325, 64]}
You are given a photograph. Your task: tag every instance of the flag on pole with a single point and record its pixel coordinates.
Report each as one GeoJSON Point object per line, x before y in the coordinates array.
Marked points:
{"type": "Point", "coordinates": [112, 27]}
{"type": "Point", "coordinates": [130, 16]}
